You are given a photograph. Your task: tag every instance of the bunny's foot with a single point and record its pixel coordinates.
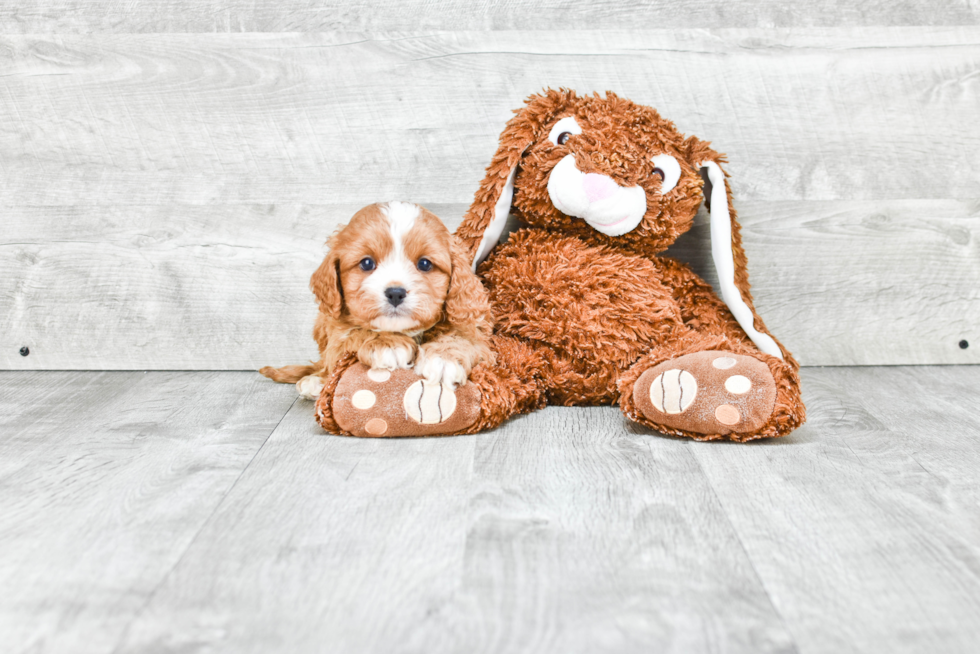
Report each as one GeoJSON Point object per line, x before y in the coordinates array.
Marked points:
{"type": "Point", "coordinates": [708, 395]}
{"type": "Point", "coordinates": [370, 402]}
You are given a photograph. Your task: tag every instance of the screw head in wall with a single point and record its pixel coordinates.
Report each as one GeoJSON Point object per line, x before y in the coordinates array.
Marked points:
{"type": "Point", "coordinates": [24, 351]}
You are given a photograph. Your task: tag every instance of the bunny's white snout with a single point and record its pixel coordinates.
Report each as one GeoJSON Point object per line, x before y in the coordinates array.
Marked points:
{"type": "Point", "coordinates": [597, 199]}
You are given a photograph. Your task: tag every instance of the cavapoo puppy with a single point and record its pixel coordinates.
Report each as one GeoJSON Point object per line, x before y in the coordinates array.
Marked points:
{"type": "Point", "coordinates": [396, 291]}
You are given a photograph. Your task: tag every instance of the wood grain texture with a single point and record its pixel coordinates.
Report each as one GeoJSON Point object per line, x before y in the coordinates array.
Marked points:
{"type": "Point", "coordinates": [561, 532]}
{"type": "Point", "coordinates": [876, 114]}
{"type": "Point", "coordinates": [129, 525]}
{"type": "Point", "coordinates": [861, 283]}
{"type": "Point", "coordinates": [86, 16]}
{"type": "Point", "coordinates": [841, 283]}
{"type": "Point", "coordinates": [105, 480]}
{"type": "Point", "coordinates": [863, 525]}
{"type": "Point", "coordinates": [165, 196]}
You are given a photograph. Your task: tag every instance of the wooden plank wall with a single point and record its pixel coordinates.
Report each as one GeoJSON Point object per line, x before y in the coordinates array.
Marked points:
{"type": "Point", "coordinates": [106, 16]}
{"type": "Point", "coordinates": [165, 196]}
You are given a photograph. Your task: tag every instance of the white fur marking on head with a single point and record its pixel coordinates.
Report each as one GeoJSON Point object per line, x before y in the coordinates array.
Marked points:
{"type": "Point", "coordinates": [496, 227]}
{"type": "Point", "coordinates": [672, 171]}
{"type": "Point", "coordinates": [401, 218]}
{"type": "Point", "coordinates": [619, 212]}
{"type": "Point", "coordinates": [395, 270]}
{"type": "Point", "coordinates": [566, 124]}
{"type": "Point", "coordinates": [721, 253]}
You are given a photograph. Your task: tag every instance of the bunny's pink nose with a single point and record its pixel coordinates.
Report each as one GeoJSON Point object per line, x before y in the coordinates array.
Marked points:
{"type": "Point", "coordinates": [598, 187]}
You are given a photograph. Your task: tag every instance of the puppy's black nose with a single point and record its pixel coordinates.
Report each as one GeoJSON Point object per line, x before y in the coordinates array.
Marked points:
{"type": "Point", "coordinates": [396, 295]}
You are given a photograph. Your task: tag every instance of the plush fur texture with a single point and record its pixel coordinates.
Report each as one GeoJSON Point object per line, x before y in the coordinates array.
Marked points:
{"type": "Point", "coordinates": [583, 304]}
{"type": "Point", "coordinates": [441, 325]}
{"type": "Point", "coordinates": [581, 314]}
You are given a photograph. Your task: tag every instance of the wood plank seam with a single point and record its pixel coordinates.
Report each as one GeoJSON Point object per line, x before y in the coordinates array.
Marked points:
{"type": "Point", "coordinates": [204, 524]}
{"type": "Point", "coordinates": [692, 451]}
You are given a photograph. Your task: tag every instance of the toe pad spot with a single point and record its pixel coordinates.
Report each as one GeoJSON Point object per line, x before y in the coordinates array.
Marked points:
{"type": "Point", "coordinates": [726, 414]}
{"type": "Point", "coordinates": [363, 400]}
{"type": "Point", "coordinates": [379, 375]}
{"type": "Point", "coordinates": [738, 384]}
{"type": "Point", "coordinates": [376, 426]}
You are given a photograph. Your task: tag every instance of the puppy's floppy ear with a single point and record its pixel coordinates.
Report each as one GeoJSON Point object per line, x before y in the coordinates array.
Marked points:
{"type": "Point", "coordinates": [727, 252]}
{"type": "Point", "coordinates": [467, 303]}
{"type": "Point", "coordinates": [484, 222]}
{"type": "Point", "coordinates": [325, 284]}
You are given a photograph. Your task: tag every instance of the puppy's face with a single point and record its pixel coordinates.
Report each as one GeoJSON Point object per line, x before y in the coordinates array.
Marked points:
{"type": "Point", "coordinates": [394, 263]}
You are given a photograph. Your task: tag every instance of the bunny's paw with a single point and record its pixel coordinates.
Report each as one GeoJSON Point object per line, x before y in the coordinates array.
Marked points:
{"type": "Point", "coordinates": [376, 403]}
{"type": "Point", "coordinates": [710, 393]}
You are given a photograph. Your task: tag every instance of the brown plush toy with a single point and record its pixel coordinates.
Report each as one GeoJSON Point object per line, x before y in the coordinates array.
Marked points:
{"type": "Point", "coordinates": [585, 310]}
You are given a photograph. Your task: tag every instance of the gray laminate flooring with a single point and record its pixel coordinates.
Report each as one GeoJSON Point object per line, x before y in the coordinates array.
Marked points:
{"type": "Point", "coordinates": [207, 512]}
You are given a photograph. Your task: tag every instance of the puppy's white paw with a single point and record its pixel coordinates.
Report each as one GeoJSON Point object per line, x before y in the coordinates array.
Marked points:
{"type": "Point", "coordinates": [437, 370]}
{"type": "Point", "coordinates": [309, 387]}
{"type": "Point", "coordinates": [390, 358]}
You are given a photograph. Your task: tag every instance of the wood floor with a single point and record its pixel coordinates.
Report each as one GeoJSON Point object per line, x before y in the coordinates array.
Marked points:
{"type": "Point", "coordinates": [206, 512]}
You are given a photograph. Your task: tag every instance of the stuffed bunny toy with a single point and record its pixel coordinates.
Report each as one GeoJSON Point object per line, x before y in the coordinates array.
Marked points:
{"type": "Point", "coordinates": [586, 311]}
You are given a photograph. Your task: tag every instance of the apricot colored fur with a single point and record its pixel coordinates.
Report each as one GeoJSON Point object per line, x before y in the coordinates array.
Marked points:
{"type": "Point", "coordinates": [579, 315]}
{"type": "Point", "coordinates": [452, 321]}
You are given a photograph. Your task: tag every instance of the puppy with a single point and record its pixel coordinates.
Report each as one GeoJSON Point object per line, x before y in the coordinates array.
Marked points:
{"type": "Point", "coordinates": [396, 290]}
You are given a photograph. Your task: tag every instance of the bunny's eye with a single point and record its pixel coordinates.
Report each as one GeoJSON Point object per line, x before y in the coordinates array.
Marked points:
{"type": "Point", "coordinates": [669, 170]}
{"type": "Point", "coordinates": [563, 129]}
{"type": "Point", "coordinates": [424, 265]}
{"type": "Point", "coordinates": [367, 264]}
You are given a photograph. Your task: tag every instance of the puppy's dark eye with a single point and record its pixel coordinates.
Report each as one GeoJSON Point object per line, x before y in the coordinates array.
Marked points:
{"type": "Point", "coordinates": [367, 264]}
{"type": "Point", "coordinates": [424, 265]}
{"type": "Point", "coordinates": [563, 138]}
{"type": "Point", "coordinates": [658, 171]}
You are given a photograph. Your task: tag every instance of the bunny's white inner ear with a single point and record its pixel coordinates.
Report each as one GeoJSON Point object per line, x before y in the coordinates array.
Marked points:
{"type": "Point", "coordinates": [499, 220]}
{"type": "Point", "coordinates": [671, 170]}
{"type": "Point", "coordinates": [721, 253]}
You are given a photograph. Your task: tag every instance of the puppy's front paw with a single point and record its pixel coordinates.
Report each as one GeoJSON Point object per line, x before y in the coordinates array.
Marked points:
{"type": "Point", "coordinates": [436, 370]}
{"type": "Point", "coordinates": [388, 358]}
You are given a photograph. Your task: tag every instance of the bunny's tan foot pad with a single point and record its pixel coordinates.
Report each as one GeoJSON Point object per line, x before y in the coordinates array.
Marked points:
{"type": "Point", "coordinates": [711, 392]}
{"type": "Point", "coordinates": [376, 403]}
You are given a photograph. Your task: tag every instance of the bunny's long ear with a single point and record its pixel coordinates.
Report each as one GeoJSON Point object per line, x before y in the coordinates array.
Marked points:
{"type": "Point", "coordinates": [727, 252]}
{"type": "Point", "coordinates": [484, 221]}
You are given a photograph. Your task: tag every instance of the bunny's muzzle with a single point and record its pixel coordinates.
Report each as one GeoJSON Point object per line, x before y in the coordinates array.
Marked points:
{"type": "Point", "coordinates": [597, 199]}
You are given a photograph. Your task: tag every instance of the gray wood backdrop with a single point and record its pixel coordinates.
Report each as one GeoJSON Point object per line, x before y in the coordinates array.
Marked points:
{"type": "Point", "coordinates": [169, 171]}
